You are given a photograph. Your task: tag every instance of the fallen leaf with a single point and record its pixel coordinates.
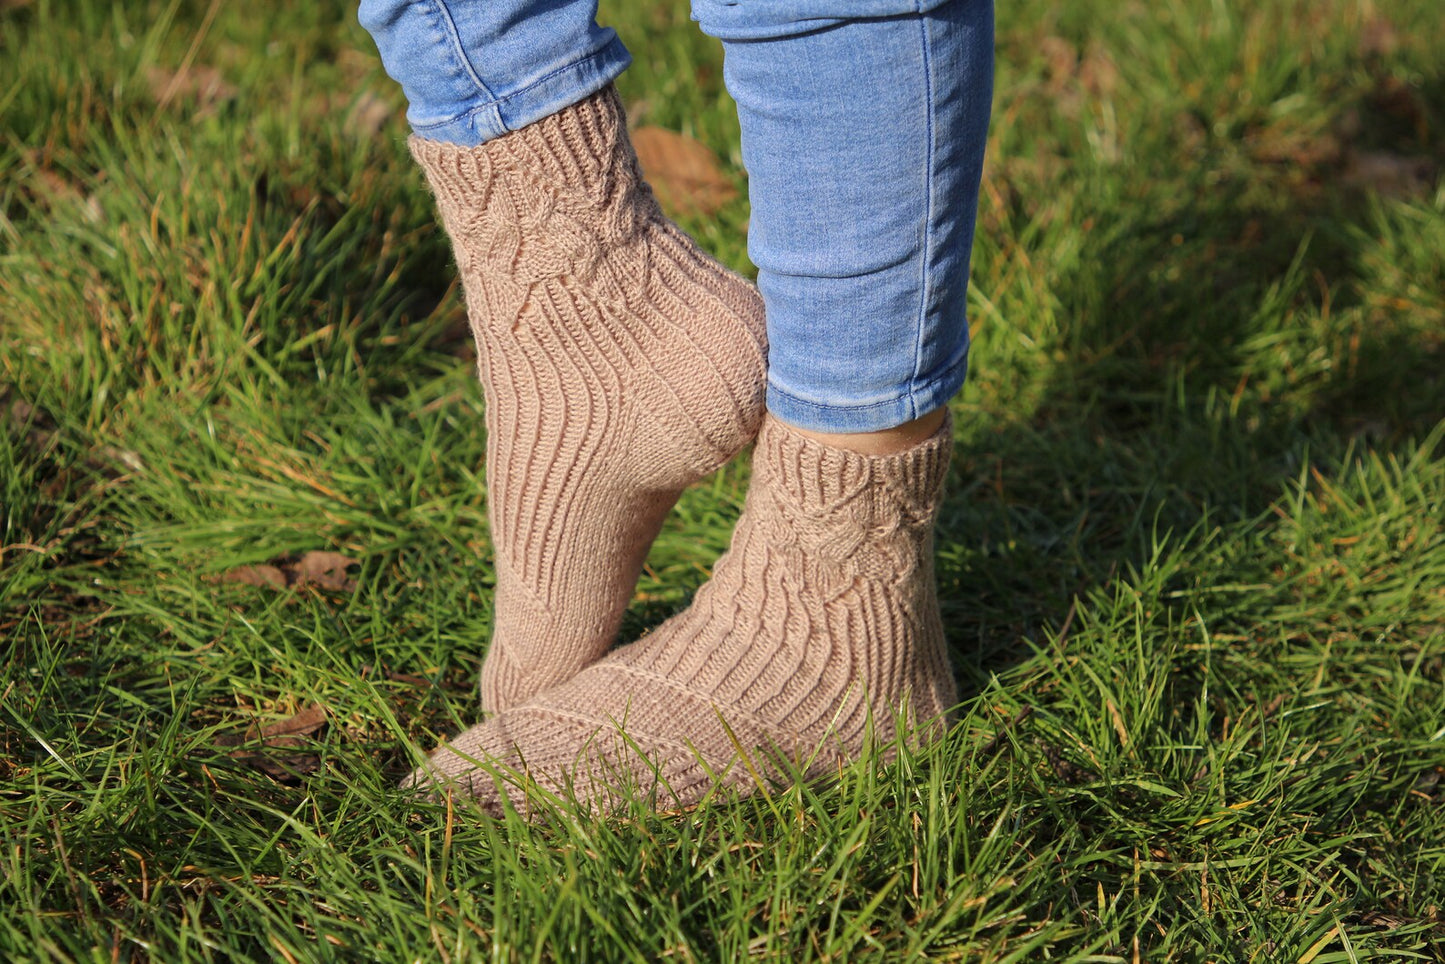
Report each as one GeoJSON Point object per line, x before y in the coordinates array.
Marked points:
{"type": "Point", "coordinates": [1071, 78]}
{"type": "Point", "coordinates": [283, 733]}
{"type": "Point", "coordinates": [368, 115]}
{"type": "Point", "coordinates": [1389, 174]}
{"type": "Point", "coordinates": [256, 576]}
{"type": "Point", "coordinates": [1066, 771]}
{"type": "Point", "coordinates": [1061, 62]}
{"type": "Point", "coordinates": [1300, 149]}
{"type": "Point", "coordinates": [1400, 101]}
{"type": "Point", "coordinates": [54, 190]}
{"type": "Point", "coordinates": [38, 427]}
{"type": "Point", "coordinates": [1390, 922]}
{"type": "Point", "coordinates": [21, 413]}
{"type": "Point", "coordinates": [686, 175]}
{"type": "Point", "coordinates": [1379, 38]}
{"type": "Point", "coordinates": [112, 456]}
{"type": "Point", "coordinates": [324, 569]}
{"type": "Point", "coordinates": [270, 749]}
{"type": "Point", "coordinates": [1098, 74]}
{"type": "Point", "coordinates": [409, 678]}
{"type": "Point", "coordinates": [201, 83]}
{"type": "Point", "coordinates": [306, 720]}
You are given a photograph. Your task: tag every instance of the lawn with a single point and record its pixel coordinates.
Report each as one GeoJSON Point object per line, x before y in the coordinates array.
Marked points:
{"type": "Point", "coordinates": [1192, 553]}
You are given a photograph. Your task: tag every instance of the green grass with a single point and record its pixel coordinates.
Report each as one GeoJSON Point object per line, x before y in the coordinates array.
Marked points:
{"type": "Point", "coordinates": [1192, 556]}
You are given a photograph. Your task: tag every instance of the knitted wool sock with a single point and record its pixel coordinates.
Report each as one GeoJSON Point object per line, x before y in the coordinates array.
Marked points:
{"type": "Point", "coordinates": [619, 363]}
{"type": "Point", "coordinates": [818, 627]}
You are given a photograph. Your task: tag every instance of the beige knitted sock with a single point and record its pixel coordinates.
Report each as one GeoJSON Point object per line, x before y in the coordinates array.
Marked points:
{"type": "Point", "coordinates": [819, 627]}
{"type": "Point", "coordinates": [619, 363]}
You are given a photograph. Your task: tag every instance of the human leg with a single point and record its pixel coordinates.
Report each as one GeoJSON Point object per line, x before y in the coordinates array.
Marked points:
{"type": "Point", "coordinates": [820, 627]}
{"type": "Point", "coordinates": [817, 633]}
{"type": "Point", "coordinates": [619, 362]}
{"type": "Point", "coordinates": [864, 146]}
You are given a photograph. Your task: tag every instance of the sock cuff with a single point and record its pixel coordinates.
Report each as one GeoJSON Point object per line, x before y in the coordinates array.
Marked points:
{"type": "Point", "coordinates": [583, 149]}
{"type": "Point", "coordinates": [815, 475]}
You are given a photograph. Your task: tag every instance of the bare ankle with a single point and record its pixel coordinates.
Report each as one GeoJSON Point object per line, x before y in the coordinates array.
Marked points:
{"type": "Point", "coordinates": [889, 441]}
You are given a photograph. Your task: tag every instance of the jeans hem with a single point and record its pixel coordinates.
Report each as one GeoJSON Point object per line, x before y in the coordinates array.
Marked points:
{"type": "Point", "coordinates": [563, 87]}
{"type": "Point", "coordinates": [730, 21]}
{"type": "Point", "coordinates": [876, 416]}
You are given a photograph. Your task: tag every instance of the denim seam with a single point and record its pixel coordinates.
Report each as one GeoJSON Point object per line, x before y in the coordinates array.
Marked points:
{"type": "Point", "coordinates": [445, 15]}
{"type": "Point", "coordinates": [594, 56]}
{"type": "Point", "coordinates": [925, 295]}
{"type": "Point", "coordinates": [494, 105]}
{"type": "Point", "coordinates": [421, 129]}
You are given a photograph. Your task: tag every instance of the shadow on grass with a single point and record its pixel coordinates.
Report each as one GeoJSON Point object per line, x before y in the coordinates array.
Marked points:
{"type": "Point", "coordinates": [1224, 331]}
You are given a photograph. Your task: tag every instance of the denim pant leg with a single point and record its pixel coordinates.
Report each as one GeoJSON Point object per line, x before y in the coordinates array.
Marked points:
{"type": "Point", "coordinates": [863, 125]}
{"type": "Point", "coordinates": [473, 70]}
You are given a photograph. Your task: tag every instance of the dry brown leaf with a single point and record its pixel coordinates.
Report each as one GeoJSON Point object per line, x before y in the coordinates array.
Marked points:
{"type": "Point", "coordinates": [1389, 174]}
{"type": "Point", "coordinates": [1300, 149]}
{"type": "Point", "coordinates": [1067, 771]}
{"type": "Point", "coordinates": [1098, 74]}
{"type": "Point", "coordinates": [368, 115]}
{"type": "Point", "coordinates": [271, 749]}
{"type": "Point", "coordinates": [324, 569]}
{"type": "Point", "coordinates": [52, 189]}
{"type": "Point", "coordinates": [1071, 77]}
{"type": "Point", "coordinates": [686, 175]}
{"type": "Point", "coordinates": [1061, 62]}
{"type": "Point", "coordinates": [286, 768]}
{"type": "Point", "coordinates": [21, 416]}
{"type": "Point", "coordinates": [262, 575]}
{"type": "Point", "coordinates": [304, 721]}
{"type": "Point", "coordinates": [1379, 38]}
{"type": "Point", "coordinates": [1390, 922]}
{"type": "Point", "coordinates": [1428, 782]}
{"type": "Point", "coordinates": [283, 733]}
{"type": "Point", "coordinates": [112, 457]}
{"type": "Point", "coordinates": [201, 83]}
{"type": "Point", "coordinates": [1400, 101]}
{"type": "Point", "coordinates": [21, 413]}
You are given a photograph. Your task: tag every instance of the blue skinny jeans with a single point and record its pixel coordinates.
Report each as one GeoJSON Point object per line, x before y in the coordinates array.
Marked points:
{"type": "Point", "coordinates": [863, 127]}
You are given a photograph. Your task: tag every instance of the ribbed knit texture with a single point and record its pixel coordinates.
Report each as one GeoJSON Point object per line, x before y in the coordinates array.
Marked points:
{"type": "Point", "coordinates": [818, 632]}
{"type": "Point", "coordinates": [619, 364]}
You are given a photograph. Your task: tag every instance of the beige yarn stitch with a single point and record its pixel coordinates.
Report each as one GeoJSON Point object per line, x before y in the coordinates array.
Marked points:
{"type": "Point", "coordinates": [819, 628]}
{"type": "Point", "coordinates": [619, 362]}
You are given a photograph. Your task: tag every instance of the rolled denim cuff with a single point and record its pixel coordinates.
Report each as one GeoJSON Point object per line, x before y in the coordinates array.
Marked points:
{"type": "Point", "coordinates": [736, 21]}
{"type": "Point", "coordinates": [544, 97]}
{"type": "Point", "coordinates": [855, 415]}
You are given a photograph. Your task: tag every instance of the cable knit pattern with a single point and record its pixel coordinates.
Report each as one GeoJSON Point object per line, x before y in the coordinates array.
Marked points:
{"type": "Point", "coordinates": [818, 631]}
{"type": "Point", "coordinates": [619, 362]}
